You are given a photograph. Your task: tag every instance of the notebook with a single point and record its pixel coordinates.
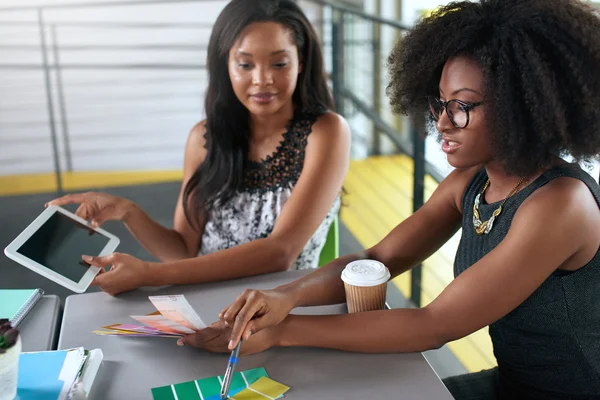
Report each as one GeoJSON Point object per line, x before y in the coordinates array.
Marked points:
{"type": "Point", "coordinates": [16, 303]}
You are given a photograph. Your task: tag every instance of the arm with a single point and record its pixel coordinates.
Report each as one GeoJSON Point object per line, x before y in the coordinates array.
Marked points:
{"type": "Point", "coordinates": [484, 293]}
{"type": "Point", "coordinates": [182, 241]}
{"type": "Point", "coordinates": [325, 166]}
{"type": "Point", "coordinates": [409, 244]}
{"type": "Point", "coordinates": [165, 244]}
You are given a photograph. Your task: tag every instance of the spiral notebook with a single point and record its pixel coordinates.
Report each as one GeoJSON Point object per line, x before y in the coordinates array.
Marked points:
{"type": "Point", "coordinates": [16, 303]}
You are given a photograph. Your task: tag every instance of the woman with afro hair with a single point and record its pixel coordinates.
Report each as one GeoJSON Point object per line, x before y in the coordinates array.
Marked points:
{"type": "Point", "coordinates": [513, 87]}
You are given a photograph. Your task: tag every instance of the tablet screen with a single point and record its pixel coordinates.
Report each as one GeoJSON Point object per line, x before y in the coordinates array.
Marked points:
{"type": "Point", "coordinates": [60, 243]}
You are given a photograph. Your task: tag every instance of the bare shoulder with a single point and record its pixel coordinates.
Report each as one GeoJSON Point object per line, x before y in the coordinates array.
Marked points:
{"type": "Point", "coordinates": [330, 128]}
{"type": "Point", "coordinates": [195, 149]}
{"type": "Point", "coordinates": [196, 137]}
{"type": "Point", "coordinates": [453, 187]}
{"type": "Point", "coordinates": [564, 196]}
{"type": "Point", "coordinates": [563, 208]}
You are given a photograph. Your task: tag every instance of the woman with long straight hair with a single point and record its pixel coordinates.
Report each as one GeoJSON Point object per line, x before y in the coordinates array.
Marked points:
{"type": "Point", "coordinates": [262, 174]}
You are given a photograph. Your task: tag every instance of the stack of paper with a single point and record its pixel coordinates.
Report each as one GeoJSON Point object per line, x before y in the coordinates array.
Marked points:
{"type": "Point", "coordinates": [253, 384]}
{"type": "Point", "coordinates": [175, 317]}
{"type": "Point", "coordinates": [62, 374]}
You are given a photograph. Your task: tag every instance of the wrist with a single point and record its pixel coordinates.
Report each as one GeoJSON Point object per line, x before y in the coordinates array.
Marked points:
{"type": "Point", "coordinates": [131, 210]}
{"type": "Point", "coordinates": [292, 295]}
{"type": "Point", "coordinates": [277, 333]}
{"type": "Point", "coordinates": [152, 275]}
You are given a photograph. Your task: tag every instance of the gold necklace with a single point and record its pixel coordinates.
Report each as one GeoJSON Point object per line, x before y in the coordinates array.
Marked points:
{"type": "Point", "coordinates": [485, 227]}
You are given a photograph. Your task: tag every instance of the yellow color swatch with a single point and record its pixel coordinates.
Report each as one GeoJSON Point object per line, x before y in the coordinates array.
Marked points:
{"type": "Point", "coordinates": [269, 387]}
{"type": "Point", "coordinates": [262, 389]}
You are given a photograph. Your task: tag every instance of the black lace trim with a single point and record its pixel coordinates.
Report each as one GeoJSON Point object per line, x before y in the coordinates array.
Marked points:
{"type": "Point", "coordinates": [283, 167]}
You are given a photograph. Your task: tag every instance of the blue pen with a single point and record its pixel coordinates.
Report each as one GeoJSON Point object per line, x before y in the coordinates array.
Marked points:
{"type": "Point", "coordinates": [229, 372]}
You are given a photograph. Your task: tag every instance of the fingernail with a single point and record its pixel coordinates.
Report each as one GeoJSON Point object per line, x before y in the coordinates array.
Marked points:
{"type": "Point", "coordinates": [94, 223]}
{"type": "Point", "coordinates": [248, 334]}
{"type": "Point", "coordinates": [46, 205]}
{"type": "Point", "coordinates": [180, 343]}
{"type": "Point", "coordinates": [87, 258]}
{"type": "Point", "coordinates": [231, 346]}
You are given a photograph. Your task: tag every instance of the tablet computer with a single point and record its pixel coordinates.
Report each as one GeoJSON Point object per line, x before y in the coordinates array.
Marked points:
{"type": "Point", "coordinates": [53, 244]}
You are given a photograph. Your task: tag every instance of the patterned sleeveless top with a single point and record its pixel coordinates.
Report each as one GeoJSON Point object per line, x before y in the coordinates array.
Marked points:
{"type": "Point", "coordinates": [549, 346]}
{"type": "Point", "coordinates": [251, 213]}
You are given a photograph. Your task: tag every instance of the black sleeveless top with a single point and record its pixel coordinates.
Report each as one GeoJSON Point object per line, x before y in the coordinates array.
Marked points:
{"type": "Point", "coordinates": [549, 346]}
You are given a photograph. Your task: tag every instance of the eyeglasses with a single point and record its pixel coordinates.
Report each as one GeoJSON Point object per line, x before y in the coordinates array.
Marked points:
{"type": "Point", "coordinates": [457, 111]}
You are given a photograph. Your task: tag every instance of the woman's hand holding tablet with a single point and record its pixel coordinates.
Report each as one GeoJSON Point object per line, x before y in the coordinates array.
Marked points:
{"type": "Point", "coordinates": [52, 246]}
{"type": "Point", "coordinates": [127, 272]}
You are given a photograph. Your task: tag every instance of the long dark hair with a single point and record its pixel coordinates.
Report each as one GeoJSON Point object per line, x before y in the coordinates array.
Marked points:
{"type": "Point", "coordinates": [227, 120]}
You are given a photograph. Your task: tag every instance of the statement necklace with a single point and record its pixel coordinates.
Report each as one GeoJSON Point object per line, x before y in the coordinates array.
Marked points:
{"type": "Point", "coordinates": [483, 228]}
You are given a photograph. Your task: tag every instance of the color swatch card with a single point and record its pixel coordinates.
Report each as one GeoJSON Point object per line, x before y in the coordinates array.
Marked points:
{"type": "Point", "coordinates": [175, 317]}
{"type": "Point", "coordinates": [178, 310]}
{"type": "Point", "coordinates": [133, 330]}
{"type": "Point", "coordinates": [263, 389]}
{"type": "Point", "coordinates": [163, 324]}
{"type": "Point", "coordinates": [253, 384]}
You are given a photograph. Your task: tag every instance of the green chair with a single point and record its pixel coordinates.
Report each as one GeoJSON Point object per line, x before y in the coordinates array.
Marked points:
{"type": "Point", "coordinates": [331, 249]}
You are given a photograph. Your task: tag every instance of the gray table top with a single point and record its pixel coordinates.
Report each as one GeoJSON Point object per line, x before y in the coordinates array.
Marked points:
{"type": "Point", "coordinates": [132, 366]}
{"type": "Point", "coordinates": [39, 329]}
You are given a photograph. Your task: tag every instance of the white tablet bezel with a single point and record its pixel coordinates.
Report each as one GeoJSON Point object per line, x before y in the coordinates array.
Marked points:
{"type": "Point", "coordinates": [78, 287]}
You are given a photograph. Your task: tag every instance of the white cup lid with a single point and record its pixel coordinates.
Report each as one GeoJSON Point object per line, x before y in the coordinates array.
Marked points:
{"type": "Point", "coordinates": [365, 273]}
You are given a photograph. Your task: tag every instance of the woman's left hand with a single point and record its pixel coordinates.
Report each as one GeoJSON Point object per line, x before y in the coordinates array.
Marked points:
{"type": "Point", "coordinates": [216, 337]}
{"type": "Point", "coordinates": [127, 272]}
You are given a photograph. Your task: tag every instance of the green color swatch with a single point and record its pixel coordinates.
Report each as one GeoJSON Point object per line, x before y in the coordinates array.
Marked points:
{"type": "Point", "coordinates": [208, 388]}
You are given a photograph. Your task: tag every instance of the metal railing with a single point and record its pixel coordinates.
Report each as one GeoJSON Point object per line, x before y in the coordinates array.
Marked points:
{"type": "Point", "coordinates": [348, 35]}
{"type": "Point", "coordinates": [56, 60]}
{"type": "Point", "coordinates": [412, 142]}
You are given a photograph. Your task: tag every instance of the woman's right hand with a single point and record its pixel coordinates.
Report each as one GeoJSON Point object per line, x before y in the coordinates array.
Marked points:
{"type": "Point", "coordinates": [97, 207]}
{"type": "Point", "coordinates": [255, 310]}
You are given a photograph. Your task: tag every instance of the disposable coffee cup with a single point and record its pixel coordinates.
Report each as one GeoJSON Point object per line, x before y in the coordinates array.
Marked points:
{"type": "Point", "coordinates": [365, 284]}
